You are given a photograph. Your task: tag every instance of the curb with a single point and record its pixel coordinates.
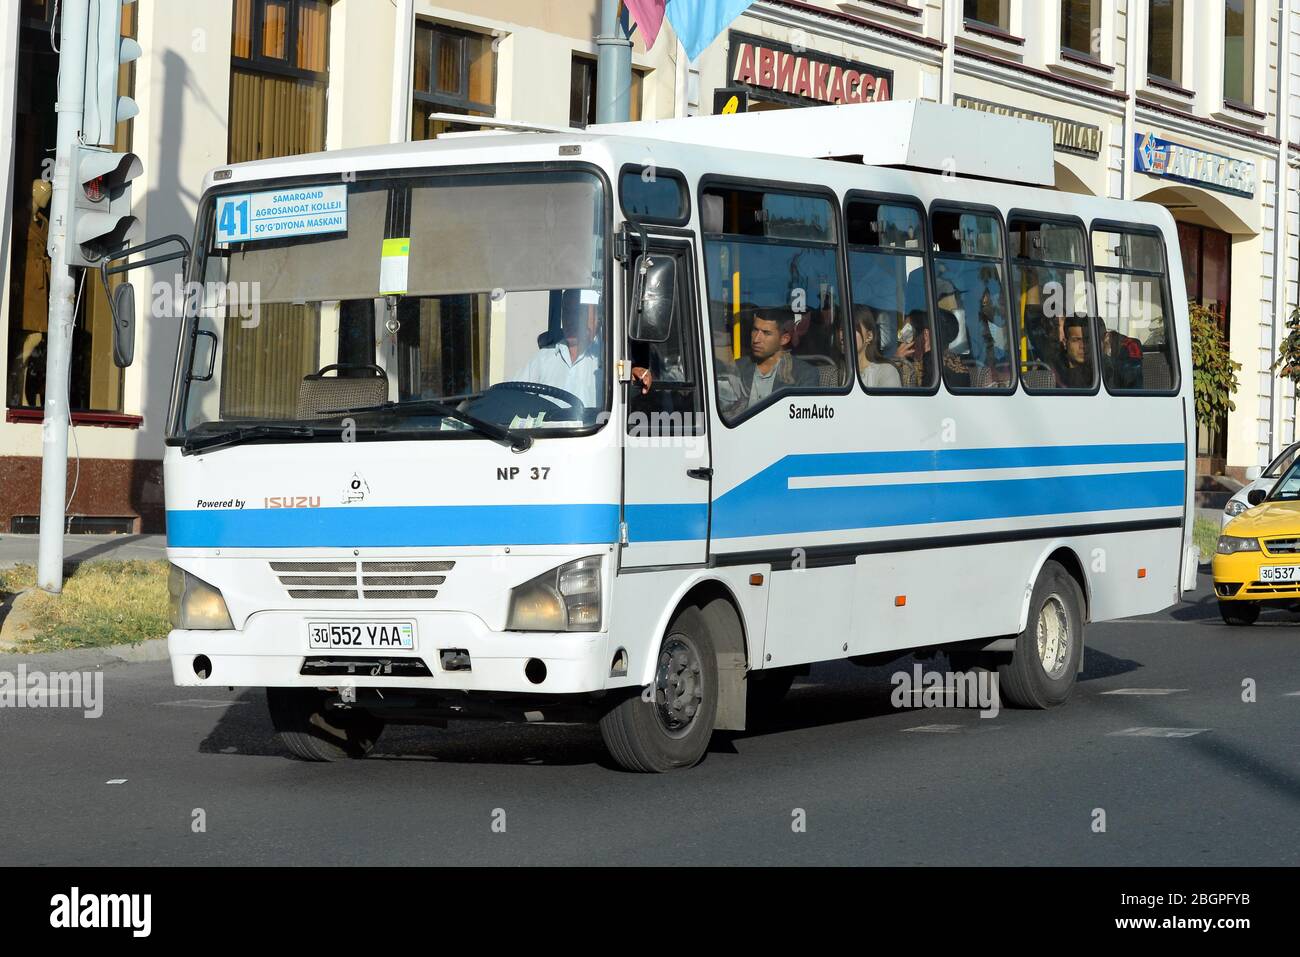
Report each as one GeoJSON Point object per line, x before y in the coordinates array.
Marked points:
{"type": "Point", "coordinates": [147, 651]}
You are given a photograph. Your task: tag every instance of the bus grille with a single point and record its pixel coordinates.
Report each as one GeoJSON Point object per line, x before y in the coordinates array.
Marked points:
{"type": "Point", "coordinates": [385, 581]}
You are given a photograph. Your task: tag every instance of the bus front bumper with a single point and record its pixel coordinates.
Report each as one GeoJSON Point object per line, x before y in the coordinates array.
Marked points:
{"type": "Point", "coordinates": [272, 650]}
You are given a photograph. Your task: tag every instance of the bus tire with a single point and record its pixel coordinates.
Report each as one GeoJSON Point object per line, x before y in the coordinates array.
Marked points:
{"type": "Point", "coordinates": [1239, 612]}
{"type": "Point", "coordinates": [669, 724]}
{"type": "Point", "coordinates": [313, 732]}
{"type": "Point", "coordinates": [1043, 665]}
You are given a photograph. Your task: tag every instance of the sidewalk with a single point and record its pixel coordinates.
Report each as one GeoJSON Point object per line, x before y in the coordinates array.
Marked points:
{"type": "Point", "coordinates": [21, 549]}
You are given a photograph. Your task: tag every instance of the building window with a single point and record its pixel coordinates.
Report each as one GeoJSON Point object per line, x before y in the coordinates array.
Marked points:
{"type": "Point", "coordinates": [279, 57]}
{"type": "Point", "coordinates": [1081, 27]}
{"type": "Point", "coordinates": [455, 72]}
{"type": "Point", "coordinates": [989, 13]}
{"type": "Point", "coordinates": [95, 383]}
{"type": "Point", "coordinates": [1239, 51]}
{"type": "Point", "coordinates": [582, 93]}
{"type": "Point", "coordinates": [1165, 40]}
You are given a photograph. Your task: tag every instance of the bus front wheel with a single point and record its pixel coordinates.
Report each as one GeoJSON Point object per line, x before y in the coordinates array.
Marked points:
{"type": "Point", "coordinates": [669, 724]}
{"type": "Point", "coordinates": [313, 731]}
{"type": "Point", "coordinates": [1045, 661]}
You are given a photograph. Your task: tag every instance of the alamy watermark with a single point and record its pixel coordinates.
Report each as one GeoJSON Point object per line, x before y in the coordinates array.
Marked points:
{"type": "Point", "coordinates": [82, 690]}
{"type": "Point", "coordinates": [920, 688]}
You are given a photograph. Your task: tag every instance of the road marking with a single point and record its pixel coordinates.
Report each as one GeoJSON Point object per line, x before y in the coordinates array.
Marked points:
{"type": "Point", "coordinates": [200, 703]}
{"type": "Point", "coordinates": [1292, 694]}
{"type": "Point", "coordinates": [1157, 732]}
{"type": "Point", "coordinates": [936, 728]}
{"type": "Point", "coordinates": [116, 781]}
{"type": "Point", "coordinates": [1145, 691]}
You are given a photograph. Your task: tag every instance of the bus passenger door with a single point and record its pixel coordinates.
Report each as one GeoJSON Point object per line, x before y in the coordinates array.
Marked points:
{"type": "Point", "coordinates": [666, 465]}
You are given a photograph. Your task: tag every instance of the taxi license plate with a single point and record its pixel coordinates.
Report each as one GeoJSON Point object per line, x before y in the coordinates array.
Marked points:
{"type": "Point", "coordinates": [362, 635]}
{"type": "Point", "coordinates": [1279, 573]}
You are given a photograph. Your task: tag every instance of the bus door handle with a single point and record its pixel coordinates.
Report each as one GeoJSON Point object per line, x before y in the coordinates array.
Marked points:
{"type": "Point", "coordinates": [705, 474]}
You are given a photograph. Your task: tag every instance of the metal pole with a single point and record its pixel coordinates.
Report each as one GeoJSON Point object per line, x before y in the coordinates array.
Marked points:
{"type": "Point", "coordinates": [613, 68]}
{"type": "Point", "coordinates": [63, 292]}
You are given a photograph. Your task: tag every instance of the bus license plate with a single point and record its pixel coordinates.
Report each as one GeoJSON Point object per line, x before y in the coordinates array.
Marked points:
{"type": "Point", "coordinates": [376, 635]}
{"type": "Point", "coordinates": [1279, 573]}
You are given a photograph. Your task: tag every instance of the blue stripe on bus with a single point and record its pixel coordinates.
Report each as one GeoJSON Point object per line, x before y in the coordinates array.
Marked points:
{"type": "Point", "coordinates": [764, 504]}
{"type": "Point", "coordinates": [394, 526]}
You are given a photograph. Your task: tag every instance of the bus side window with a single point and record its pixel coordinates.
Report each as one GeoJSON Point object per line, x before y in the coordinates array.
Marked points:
{"type": "Point", "coordinates": [673, 406]}
{"type": "Point", "coordinates": [972, 316]}
{"type": "Point", "coordinates": [893, 340]}
{"type": "Point", "coordinates": [1051, 297]}
{"type": "Point", "coordinates": [1137, 343]}
{"type": "Point", "coordinates": [776, 308]}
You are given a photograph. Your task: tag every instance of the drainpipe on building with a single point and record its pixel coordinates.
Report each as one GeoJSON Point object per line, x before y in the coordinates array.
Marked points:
{"type": "Point", "coordinates": [613, 68]}
{"type": "Point", "coordinates": [951, 10]}
{"type": "Point", "coordinates": [1280, 194]}
{"type": "Point", "coordinates": [399, 130]}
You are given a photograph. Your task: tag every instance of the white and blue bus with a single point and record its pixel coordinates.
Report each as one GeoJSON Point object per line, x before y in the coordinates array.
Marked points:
{"type": "Point", "coordinates": [633, 425]}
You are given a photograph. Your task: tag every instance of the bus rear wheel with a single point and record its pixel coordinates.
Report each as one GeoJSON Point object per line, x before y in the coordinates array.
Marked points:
{"type": "Point", "coordinates": [1239, 612]}
{"type": "Point", "coordinates": [313, 731]}
{"type": "Point", "coordinates": [1043, 665]}
{"type": "Point", "coordinates": [670, 723]}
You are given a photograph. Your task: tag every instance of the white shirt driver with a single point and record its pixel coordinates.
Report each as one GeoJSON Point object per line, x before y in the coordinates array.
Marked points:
{"type": "Point", "coordinates": [552, 366]}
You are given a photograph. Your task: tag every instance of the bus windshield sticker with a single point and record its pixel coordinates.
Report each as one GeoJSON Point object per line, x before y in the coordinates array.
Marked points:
{"type": "Point", "coordinates": [394, 263]}
{"type": "Point", "coordinates": [278, 214]}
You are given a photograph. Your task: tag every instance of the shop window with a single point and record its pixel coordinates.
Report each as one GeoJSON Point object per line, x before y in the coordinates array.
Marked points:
{"type": "Point", "coordinates": [95, 383]}
{"type": "Point", "coordinates": [1239, 51]}
{"type": "Point", "coordinates": [455, 72]}
{"type": "Point", "coordinates": [279, 55]}
{"type": "Point", "coordinates": [1081, 27]}
{"type": "Point", "coordinates": [775, 305]}
{"type": "Point", "coordinates": [1165, 40]}
{"type": "Point", "coordinates": [988, 13]}
{"type": "Point", "coordinates": [582, 93]}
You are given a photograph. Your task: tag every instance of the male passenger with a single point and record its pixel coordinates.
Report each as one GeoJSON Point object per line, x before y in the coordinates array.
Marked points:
{"type": "Point", "coordinates": [1076, 367]}
{"type": "Point", "coordinates": [770, 367]}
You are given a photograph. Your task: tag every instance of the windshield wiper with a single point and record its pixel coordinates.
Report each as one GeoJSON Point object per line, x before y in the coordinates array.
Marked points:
{"type": "Point", "coordinates": [516, 441]}
{"type": "Point", "coordinates": [237, 436]}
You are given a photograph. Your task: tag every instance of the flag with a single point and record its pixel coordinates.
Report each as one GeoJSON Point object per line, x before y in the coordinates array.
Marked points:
{"type": "Point", "coordinates": [698, 22]}
{"type": "Point", "coordinates": [649, 16]}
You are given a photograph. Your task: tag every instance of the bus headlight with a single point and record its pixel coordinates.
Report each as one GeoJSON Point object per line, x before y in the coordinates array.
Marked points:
{"type": "Point", "coordinates": [563, 599]}
{"type": "Point", "coordinates": [1230, 545]}
{"type": "Point", "coordinates": [1234, 507]}
{"type": "Point", "coordinates": [196, 605]}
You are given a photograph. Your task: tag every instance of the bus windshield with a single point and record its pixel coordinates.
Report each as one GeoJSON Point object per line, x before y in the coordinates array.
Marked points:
{"type": "Point", "coordinates": [416, 305]}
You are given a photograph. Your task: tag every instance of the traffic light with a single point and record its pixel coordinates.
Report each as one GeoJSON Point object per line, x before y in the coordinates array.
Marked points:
{"type": "Point", "coordinates": [106, 51]}
{"type": "Point", "coordinates": [101, 220]}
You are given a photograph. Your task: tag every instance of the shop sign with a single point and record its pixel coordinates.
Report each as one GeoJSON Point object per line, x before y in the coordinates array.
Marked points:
{"type": "Point", "coordinates": [1157, 157]}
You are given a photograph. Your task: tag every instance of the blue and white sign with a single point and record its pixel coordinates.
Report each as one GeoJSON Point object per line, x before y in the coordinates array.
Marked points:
{"type": "Point", "coordinates": [1157, 157]}
{"type": "Point", "coordinates": [302, 211]}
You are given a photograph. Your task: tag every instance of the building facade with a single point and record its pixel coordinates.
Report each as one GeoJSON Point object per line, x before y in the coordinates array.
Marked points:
{"type": "Point", "coordinates": [1194, 104]}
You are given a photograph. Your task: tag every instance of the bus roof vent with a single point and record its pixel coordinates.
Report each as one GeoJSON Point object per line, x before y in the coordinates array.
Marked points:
{"type": "Point", "coordinates": [917, 134]}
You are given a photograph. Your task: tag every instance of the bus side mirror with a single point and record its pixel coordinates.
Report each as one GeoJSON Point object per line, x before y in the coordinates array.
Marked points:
{"type": "Point", "coordinates": [1255, 496]}
{"type": "Point", "coordinates": [122, 306]}
{"type": "Point", "coordinates": [653, 298]}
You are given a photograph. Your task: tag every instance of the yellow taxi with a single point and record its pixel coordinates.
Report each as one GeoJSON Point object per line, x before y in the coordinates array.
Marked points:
{"type": "Point", "coordinates": [1257, 561]}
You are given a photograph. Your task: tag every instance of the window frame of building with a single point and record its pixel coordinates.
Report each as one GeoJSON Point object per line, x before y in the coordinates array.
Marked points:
{"type": "Point", "coordinates": [433, 100]}
{"type": "Point", "coordinates": [971, 15]}
{"type": "Point", "coordinates": [1176, 45]}
{"type": "Point", "coordinates": [257, 65]}
{"type": "Point", "coordinates": [1247, 38]}
{"type": "Point", "coordinates": [1094, 10]}
{"type": "Point", "coordinates": [1093, 322]}
{"type": "Point", "coordinates": [587, 63]}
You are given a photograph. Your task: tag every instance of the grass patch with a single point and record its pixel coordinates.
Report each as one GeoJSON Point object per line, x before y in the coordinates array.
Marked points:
{"type": "Point", "coordinates": [103, 603]}
{"type": "Point", "coordinates": [1205, 536]}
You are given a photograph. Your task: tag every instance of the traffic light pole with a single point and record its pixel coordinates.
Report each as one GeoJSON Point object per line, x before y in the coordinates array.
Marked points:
{"type": "Point", "coordinates": [63, 294]}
